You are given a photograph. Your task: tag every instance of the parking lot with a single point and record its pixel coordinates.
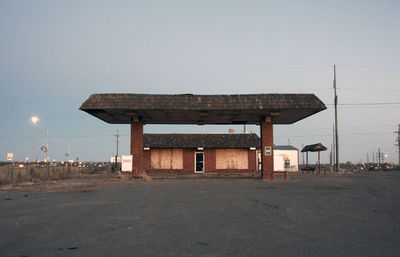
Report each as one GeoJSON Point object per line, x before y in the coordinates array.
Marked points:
{"type": "Point", "coordinates": [332, 215]}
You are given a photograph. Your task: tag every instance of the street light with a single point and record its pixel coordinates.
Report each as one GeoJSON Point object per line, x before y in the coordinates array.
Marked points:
{"type": "Point", "coordinates": [384, 156]}
{"type": "Point", "coordinates": [34, 120]}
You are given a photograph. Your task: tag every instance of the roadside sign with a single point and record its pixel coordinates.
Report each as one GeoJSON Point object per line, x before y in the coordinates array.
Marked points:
{"type": "Point", "coordinates": [127, 163]}
{"type": "Point", "coordinates": [10, 156]}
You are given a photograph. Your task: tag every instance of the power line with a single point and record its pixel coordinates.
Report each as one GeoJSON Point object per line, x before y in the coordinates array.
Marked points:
{"type": "Point", "coordinates": [40, 101]}
{"type": "Point", "coordinates": [356, 104]}
{"type": "Point", "coordinates": [369, 89]}
{"type": "Point", "coordinates": [342, 134]}
{"type": "Point", "coordinates": [58, 117]}
{"type": "Point", "coordinates": [361, 107]}
{"type": "Point", "coordinates": [371, 103]}
{"type": "Point", "coordinates": [369, 66]}
{"type": "Point", "coordinates": [122, 135]}
{"type": "Point", "coordinates": [81, 136]}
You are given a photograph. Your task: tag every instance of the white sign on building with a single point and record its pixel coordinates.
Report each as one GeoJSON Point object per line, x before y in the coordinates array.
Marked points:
{"type": "Point", "coordinates": [127, 161]}
{"type": "Point", "coordinates": [10, 156]}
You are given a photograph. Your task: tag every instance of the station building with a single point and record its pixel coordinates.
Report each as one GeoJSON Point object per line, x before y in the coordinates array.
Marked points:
{"type": "Point", "coordinates": [201, 153]}
{"type": "Point", "coordinates": [264, 110]}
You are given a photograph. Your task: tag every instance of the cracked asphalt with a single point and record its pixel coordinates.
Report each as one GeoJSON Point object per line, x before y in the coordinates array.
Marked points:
{"type": "Point", "coordinates": [333, 215]}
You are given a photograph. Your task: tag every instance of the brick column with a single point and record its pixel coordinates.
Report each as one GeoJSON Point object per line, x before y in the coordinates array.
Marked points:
{"type": "Point", "coordinates": [267, 140]}
{"type": "Point", "coordinates": [137, 146]}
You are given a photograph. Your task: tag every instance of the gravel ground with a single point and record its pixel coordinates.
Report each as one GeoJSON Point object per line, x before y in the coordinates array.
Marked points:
{"type": "Point", "coordinates": [308, 215]}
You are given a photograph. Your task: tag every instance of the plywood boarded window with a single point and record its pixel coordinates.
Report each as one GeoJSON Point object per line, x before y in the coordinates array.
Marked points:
{"type": "Point", "coordinates": [232, 159]}
{"type": "Point", "coordinates": [167, 158]}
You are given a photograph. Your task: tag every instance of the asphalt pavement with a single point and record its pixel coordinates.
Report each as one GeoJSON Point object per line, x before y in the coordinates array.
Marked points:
{"type": "Point", "coordinates": [333, 215]}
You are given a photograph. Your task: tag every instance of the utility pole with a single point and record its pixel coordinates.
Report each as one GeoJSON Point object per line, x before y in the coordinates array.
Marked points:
{"type": "Point", "coordinates": [333, 148]}
{"type": "Point", "coordinates": [379, 159]}
{"type": "Point", "coordinates": [331, 159]}
{"type": "Point", "coordinates": [69, 152]}
{"type": "Point", "coordinates": [398, 142]}
{"type": "Point", "coordinates": [116, 156]}
{"type": "Point", "coordinates": [373, 157]}
{"type": "Point", "coordinates": [34, 143]}
{"type": "Point", "coordinates": [336, 121]}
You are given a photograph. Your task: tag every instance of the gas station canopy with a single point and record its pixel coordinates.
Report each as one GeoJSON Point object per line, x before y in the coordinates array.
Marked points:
{"type": "Point", "coordinates": [202, 109]}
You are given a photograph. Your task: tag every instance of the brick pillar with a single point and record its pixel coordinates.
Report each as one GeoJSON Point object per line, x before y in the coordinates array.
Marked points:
{"type": "Point", "coordinates": [267, 140]}
{"type": "Point", "coordinates": [137, 146]}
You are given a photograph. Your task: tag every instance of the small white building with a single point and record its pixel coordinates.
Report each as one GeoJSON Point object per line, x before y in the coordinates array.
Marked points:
{"type": "Point", "coordinates": [286, 158]}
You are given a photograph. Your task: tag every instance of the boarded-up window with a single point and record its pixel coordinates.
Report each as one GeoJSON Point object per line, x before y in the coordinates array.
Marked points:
{"type": "Point", "coordinates": [167, 158]}
{"type": "Point", "coordinates": [232, 159]}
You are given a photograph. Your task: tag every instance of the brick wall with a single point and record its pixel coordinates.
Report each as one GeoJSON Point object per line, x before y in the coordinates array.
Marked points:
{"type": "Point", "coordinates": [209, 165]}
{"type": "Point", "coordinates": [210, 160]}
{"type": "Point", "coordinates": [188, 160]}
{"type": "Point", "coordinates": [267, 139]}
{"type": "Point", "coordinates": [137, 146]}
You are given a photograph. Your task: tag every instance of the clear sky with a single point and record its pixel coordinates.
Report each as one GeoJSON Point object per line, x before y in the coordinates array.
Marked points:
{"type": "Point", "coordinates": [54, 54]}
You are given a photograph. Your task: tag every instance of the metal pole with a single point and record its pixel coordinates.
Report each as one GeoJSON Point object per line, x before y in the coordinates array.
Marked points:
{"type": "Point", "coordinates": [34, 142]}
{"type": "Point", "coordinates": [373, 157]}
{"type": "Point", "coordinates": [333, 148]}
{"type": "Point", "coordinates": [307, 159]}
{"type": "Point", "coordinates": [398, 142]}
{"type": "Point", "coordinates": [116, 156]}
{"type": "Point", "coordinates": [319, 162]}
{"type": "Point", "coordinates": [336, 122]}
{"type": "Point", "coordinates": [69, 152]}
{"type": "Point", "coordinates": [47, 145]}
{"type": "Point", "coordinates": [379, 158]}
{"type": "Point", "coordinates": [330, 160]}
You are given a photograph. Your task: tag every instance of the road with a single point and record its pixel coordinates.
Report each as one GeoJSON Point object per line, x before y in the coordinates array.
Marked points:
{"type": "Point", "coordinates": [333, 215]}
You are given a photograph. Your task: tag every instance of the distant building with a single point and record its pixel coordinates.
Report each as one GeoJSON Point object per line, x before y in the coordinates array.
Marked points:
{"type": "Point", "coordinates": [286, 158]}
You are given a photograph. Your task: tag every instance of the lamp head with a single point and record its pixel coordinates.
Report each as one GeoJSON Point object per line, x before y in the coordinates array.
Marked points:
{"type": "Point", "coordinates": [34, 119]}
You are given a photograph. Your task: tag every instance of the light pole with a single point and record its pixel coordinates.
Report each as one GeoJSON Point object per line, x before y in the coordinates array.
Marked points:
{"type": "Point", "coordinates": [34, 120]}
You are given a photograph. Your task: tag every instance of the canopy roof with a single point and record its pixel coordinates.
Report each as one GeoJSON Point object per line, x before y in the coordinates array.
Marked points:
{"type": "Point", "coordinates": [314, 148]}
{"type": "Point", "coordinates": [205, 140]}
{"type": "Point", "coordinates": [202, 109]}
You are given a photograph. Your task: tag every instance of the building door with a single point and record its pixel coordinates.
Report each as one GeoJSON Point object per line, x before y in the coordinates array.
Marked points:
{"type": "Point", "coordinates": [199, 162]}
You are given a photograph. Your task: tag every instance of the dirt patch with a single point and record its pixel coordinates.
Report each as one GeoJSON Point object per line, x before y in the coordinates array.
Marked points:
{"type": "Point", "coordinates": [144, 176]}
{"type": "Point", "coordinates": [83, 183]}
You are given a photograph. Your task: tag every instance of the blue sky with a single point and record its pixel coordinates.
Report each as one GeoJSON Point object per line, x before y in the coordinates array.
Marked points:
{"type": "Point", "coordinates": [54, 54]}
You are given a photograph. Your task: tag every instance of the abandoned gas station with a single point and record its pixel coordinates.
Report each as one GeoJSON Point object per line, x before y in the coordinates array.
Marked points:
{"type": "Point", "coordinates": [264, 110]}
